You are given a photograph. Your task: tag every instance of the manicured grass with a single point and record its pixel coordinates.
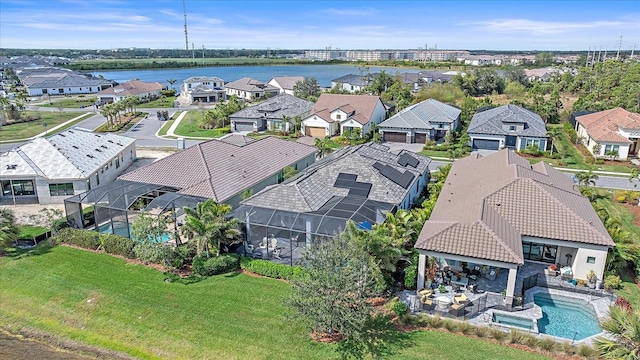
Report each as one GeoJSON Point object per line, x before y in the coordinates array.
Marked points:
{"type": "Point", "coordinates": [165, 127]}
{"type": "Point", "coordinates": [100, 300]}
{"type": "Point", "coordinates": [32, 128]}
{"type": "Point", "coordinates": [164, 102]}
{"type": "Point", "coordinates": [30, 231]}
{"type": "Point", "coordinates": [188, 127]}
{"type": "Point", "coordinates": [73, 102]}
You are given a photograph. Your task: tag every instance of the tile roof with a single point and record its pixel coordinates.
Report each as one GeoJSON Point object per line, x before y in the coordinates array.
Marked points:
{"type": "Point", "coordinates": [236, 139]}
{"type": "Point", "coordinates": [361, 105]}
{"type": "Point", "coordinates": [198, 79]}
{"type": "Point", "coordinates": [275, 107]}
{"type": "Point", "coordinates": [421, 115]}
{"type": "Point", "coordinates": [249, 84]}
{"type": "Point", "coordinates": [488, 203]}
{"type": "Point", "coordinates": [220, 170]}
{"type": "Point", "coordinates": [603, 125]}
{"type": "Point", "coordinates": [490, 122]}
{"type": "Point", "coordinates": [353, 79]}
{"type": "Point", "coordinates": [133, 88]}
{"type": "Point", "coordinates": [314, 186]}
{"type": "Point", "coordinates": [287, 82]}
{"type": "Point", "coordinates": [66, 80]}
{"type": "Point", "coordinates": [64, 155]}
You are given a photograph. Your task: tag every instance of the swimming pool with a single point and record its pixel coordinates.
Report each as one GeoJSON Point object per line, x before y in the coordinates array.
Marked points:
{"type": "Point", "coordinates": [513, 321]}
{"type": "Point", "coordinates": [566, 317]}
{"type": "Point", "coordinates": [122, 231]}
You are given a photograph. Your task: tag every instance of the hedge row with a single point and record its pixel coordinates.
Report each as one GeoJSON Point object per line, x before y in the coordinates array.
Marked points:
{"type": "Point", "coordinates": [215, 265]}
{"type": "Point", "coordinates": [112, 244]}
{"type": "Point", "coordinates": [270, 269]}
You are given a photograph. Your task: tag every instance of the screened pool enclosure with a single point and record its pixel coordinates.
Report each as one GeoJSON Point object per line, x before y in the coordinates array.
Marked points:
{"type": "Point", "coordinates": [282, 236]}
{"type": "Point", "coordinates": [114, 207]}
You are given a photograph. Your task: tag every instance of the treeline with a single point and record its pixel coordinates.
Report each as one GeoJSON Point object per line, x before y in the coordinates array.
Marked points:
{"type": "Point", "coordinates": [133, 53]}
{"type": "Point", "coordinates": [94, 65]}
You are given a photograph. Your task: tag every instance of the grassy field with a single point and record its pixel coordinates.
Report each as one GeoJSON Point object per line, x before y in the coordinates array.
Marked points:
{"type": "Point", "coordinates": [102, 301]}
{"type": "Point", "coordinates": [164, 102]}
{"type": "Point", "coordinates": [71, 102]}
{"type": "Point", "coordinates": [165, 127]}
{"type": "Point", "coordinates": [32, 128]}
{"type": "Point", "coordinates": [29, 231]}
{"type": "Point", "coordinates": [188, 127]}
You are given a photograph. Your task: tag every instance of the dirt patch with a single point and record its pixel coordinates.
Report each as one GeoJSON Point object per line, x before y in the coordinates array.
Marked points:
{"type": "Point", "coordinates": [635, 210]}
{"type": "Point", "coordinates": [23, 212]}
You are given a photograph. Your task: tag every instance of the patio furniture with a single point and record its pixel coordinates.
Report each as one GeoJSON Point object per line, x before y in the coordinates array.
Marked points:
{"type": "Point", "coordinates": [425, 292]}
{"type": "Point", "coordinates": [455, 287]}
{"type": "Point", "coordinates": [457, 309]}
{"type": "Point", "coordinates": [443, 302]}
{"type": "Point", "coordinates": [491, 274]}
{"type": "Point", "coordinates": [276, 253]}
{"type": "Point", "coordinates": [263, 243]}
{"type": "Point", "coordinates": [273, 244]}
{"type": "Point", "coordinates": [461, 281]}
{"type": "Point", "coordinates": [461, 299]}
{"type": "Point", "coordinates": [473, 288]}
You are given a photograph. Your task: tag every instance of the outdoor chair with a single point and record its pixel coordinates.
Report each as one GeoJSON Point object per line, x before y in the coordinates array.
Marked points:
{"type": "Point", "coordinates": [426, 302]}
{"type": "Point", "coordinates": [457, 309]}
{"type": "Point", "coordinates": [426, 292]}
{"type": "Point", "coordinates": [455, 287]}
{"type": "Point", "coordinates": [273, 244]}
{"type": "Point", "coordinates": [263, 243]}
{"type": "Point", "coordinates": [461, 299]}
{"type": "Point", "coordinates": [276, 253]}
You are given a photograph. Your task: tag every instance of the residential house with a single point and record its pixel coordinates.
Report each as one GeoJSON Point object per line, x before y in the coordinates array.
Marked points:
{"type": "Point", "coordinates": [144, 91]}
{"type": "Point", "coordinates": [202, 89]}
{"type": "Point", "coordinates": [57, 81]}
{"type": "Point", "coordinates": [47, 170]}
{"type": "Point", "coordinates": [352, 83]}
{"type": "Point", "coordinates": [507, 126]}
{"type": "Point", "coordinates": [285, 83]}
{"type": "Point", "coordinates": [501, 212]}
{"type": "Point", "coordinates": [337, 113]}
{"type": "Point", "coordinates": [610, 131]}
{"type": "Point", "coordinates": [360, 183]}
{"type": "Point", "coordinates": [250, 89]}
{"type": "Point", "coordinates": [429, 119]}
{"type": "Point", "coordinates": [276, 113]}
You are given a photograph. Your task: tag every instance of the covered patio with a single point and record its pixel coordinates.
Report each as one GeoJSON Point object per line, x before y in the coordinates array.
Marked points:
{"type": "Point", "coordinates": [114, 207]}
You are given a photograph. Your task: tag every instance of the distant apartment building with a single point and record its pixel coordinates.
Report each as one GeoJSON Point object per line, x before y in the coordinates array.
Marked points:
{"type": "Point", "coordinates": [377, 55]}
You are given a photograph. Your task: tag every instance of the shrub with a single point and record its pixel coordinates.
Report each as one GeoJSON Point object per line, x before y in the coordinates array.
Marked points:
{"type": "Point", "coordinates": [400, 308]}
{"type": "Point", "coordinates": [586, 351]}
{"type": "Point", "coordinates": [215, 265]}
{"type": "Point", "coordinates": [465, 328]}
{"type": "Point", "coordinates": [548, 344]}
{"type": "Point", "coordinates": [183, 254]}
{"type": "Point", "coordinates": [270, 269]}
{"type": "Point", "coordinates": [516, 337]}
{"type": "Point", "coordinates": [117, 245]}
{"type": "Point", "coordinates": [498, 334]}
{"type": "Point", "coordinates": [624, 303]}
{"type": "Point", "coordinates": [531, 341]}
{"type": "Point", "coordinates": [567, 348]}
{"type": "Point", "coordinates": [621, 199]}
{"type": "Point", "coordinates": [450, 325]}
{"type": "Point", "coordinates": [612, 282]}
{"type": "Point", "coordinates": [151, 252]}
{"type": "Point", "coordinates": [82, 238]}
{"type": "Point", "coordinates": [411, 272]}
{"type": "Point", "coordinates": [434, 322]}
{"type": "Point", "coordinates": [481, 331]}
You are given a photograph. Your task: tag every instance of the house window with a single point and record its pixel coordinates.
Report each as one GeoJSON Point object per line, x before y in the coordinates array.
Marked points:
{"type": "Point", "coordinates": [117, 162]}
{"type": "Point", "coordinates": [97, 179]}
{"type": "Point", "coordinates": [60, 91]}
{"type": "Point", "coordinates": [61, 189]}
{"type": "Point", "coordinates": [278, 125]}
{"type": "Point", "coordinates": [609, 148]}
{"type": "Point", "coordinates": [88, 184]}
{"type": "Point", "coordinates": [20, 187]}
{"type": "Point", "coordinates": [591, 260]}
{"type": "Point", "coordinates": [338, 116]}
{"type": "Point", "coordinates": [512, 128]}
{"type": "Point", "coordinates": [539, 252]}
{"type": "Point", "coordinates": [533, 142]}
{"type": "Point", "coordinates": [44, 91]}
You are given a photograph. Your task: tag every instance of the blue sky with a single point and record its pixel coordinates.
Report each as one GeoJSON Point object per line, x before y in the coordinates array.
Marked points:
{"type": "Point", "coordinates": [492, 25]}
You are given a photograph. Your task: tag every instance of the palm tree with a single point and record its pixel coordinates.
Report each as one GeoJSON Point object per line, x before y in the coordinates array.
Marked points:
{"type": "Point", "coordinates": [8, 230]}
{"type": "Point", "coordinates": [207, 225]}
{"type": "Point", "coordinates": [624, 326]}
{"type": "Point", "coordinates": [171, 82]}
{"type": "Point", "coordinates": [586, 178]}
{"type": "Point", "coordinates": [323, 146]}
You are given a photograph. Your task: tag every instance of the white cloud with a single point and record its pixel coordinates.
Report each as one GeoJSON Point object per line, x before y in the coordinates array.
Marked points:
{"type": "Point", "coordinates": [541, 27]}
{"type": "Point", "coordinates": [349, 12]}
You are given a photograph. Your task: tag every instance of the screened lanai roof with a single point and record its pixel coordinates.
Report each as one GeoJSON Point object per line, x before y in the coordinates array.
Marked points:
{"type": "Point", "coordinates": [121, 194]}
{"type": "Point", "coordinates": [330, 219]}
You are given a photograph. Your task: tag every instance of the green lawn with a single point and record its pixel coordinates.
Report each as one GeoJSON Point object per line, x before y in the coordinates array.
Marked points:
{"type": "Point", "coordinates": [32, 128]}
{"type": "Point", "coordinates": [164, 102]}
{"type": "Point", "coordinates": [73, 102]}
{"type": "Point", "coordinates": [165, 127]}
{"type": "Point", "coordinates": [188, 127]}
{"type": "Point", "coordinates": [29, 231]}
{"type": "Point", "coordinates": [102, 301]}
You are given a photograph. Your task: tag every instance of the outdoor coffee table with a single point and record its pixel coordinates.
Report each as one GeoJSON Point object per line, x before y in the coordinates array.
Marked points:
{"type": "Point", "coordinates": [443, 302]}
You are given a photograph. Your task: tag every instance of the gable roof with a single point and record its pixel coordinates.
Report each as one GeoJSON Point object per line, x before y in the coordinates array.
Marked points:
{"type": "Point", "coordinates": [275, 107]}
{"type": "Point", "coordinates": [218, 169]}
{"type": "Point", "coordinates": [488, 203]}
{"type": "Point", "coordinates": [249, 84]}
{"type": "Point", "coordinates": [421, 115]}
{"type": "Point", "coordinates": [72, 154]}
{"type": "Point", "coordinates": [490, 122]}
{"type": "Point", "coordinates": [133, 88]}
{"type": "Point", "coordinates": [199, 79]}
{"type": "Point", "coordinates": [603, 125]}
{"type": "Point", "coordinates": [359, 107]}
{"type": "Point", "coordinates": [315, 185]}
{"type": "Point", "coordinates": [353, 79]}
{"type": "Point", "coordinates": [287, 82]}
{"type": "Point", "coordinates": [56, 80]}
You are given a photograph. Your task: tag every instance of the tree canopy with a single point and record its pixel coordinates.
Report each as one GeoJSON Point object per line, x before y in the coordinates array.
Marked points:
{"type": "Point", "coordinates": [307, 89]}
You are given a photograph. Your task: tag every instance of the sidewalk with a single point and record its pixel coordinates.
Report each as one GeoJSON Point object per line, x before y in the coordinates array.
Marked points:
{"type": "Point", "coordinates": [171, 131]}
{"type": "Point", "coordinates": [48, 132]}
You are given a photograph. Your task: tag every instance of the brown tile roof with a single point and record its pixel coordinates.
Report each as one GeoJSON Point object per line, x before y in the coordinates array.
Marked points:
{"type": "Point", "coordinates": [488, 203]}
{"type": "Point", "coordinates": [133, 87]}
{"type": "Point", "coordinates": [361, 106]}
{"type": "Point", "coordinates": [603, 125]}
{"type": "Point", "coordinates": [287, 82]}
{"type": "Point", "coordinates": [219, 170]}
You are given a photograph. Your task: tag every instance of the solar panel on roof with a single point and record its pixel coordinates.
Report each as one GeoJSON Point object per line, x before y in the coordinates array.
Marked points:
{"type": "Point", "coordinates": [402, 179]}
{"type": "Point", "coordinates": [359, 192]}
{"type": "Point", "coordinates": [378, 166]}
{"type": "Point", "coordinates": [345, 176]}
{"type": "Point", "coordinates": [406, 159]}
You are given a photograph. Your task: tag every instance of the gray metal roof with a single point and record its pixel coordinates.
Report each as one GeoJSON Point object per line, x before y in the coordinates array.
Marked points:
{"type": "Point", "coordinates": [275, 108]}
{"type": "Point", "coordinates": [422, 115]}
{"type": "Point", "coordinates": [491, 122]}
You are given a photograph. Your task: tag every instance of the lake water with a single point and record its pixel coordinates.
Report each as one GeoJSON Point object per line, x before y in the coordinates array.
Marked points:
{"type": "Point", "coordinates": [324, 73]}
{"type": "Point", "coordinates": [20, 349]}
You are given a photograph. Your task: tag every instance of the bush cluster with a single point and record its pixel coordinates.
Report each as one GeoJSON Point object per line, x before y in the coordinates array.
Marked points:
{"type": "Point", "coordinates": [612, 282]}
{"type": "Point", "coordinates": [270, 269]}
{"type": "Point", "coordinates": [117, 245]}
{"type": "Point", "coordinates": [112, 244]}
{"type": "Point", "coordinates": [215, 265]}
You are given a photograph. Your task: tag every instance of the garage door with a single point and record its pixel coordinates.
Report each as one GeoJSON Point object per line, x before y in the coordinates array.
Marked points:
{"type": "Point", "coordinates": [420, 138]}
{"type": "Point", "coordinates": [395, 136]}
{"type": "Point", "coordinates": [485, 144]}
{"type": "Point", "coordinates": [244, 126]}
{"type": "Point", "coordinates": [315, 131]}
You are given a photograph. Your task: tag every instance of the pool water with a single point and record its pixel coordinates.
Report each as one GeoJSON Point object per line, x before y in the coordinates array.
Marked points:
{"type": "Point", "coordinates": [566, 317]}
{"type": "Point", "coordinates": [106, 229]}
{"type": "Point", "coordinates": [515, 321]}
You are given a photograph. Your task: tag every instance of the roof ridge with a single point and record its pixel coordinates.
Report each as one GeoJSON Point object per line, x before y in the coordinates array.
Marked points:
{"type": "Point", "coordinates": [206, 166]}
{"type": "Point", "coordinates": [498, 238]}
